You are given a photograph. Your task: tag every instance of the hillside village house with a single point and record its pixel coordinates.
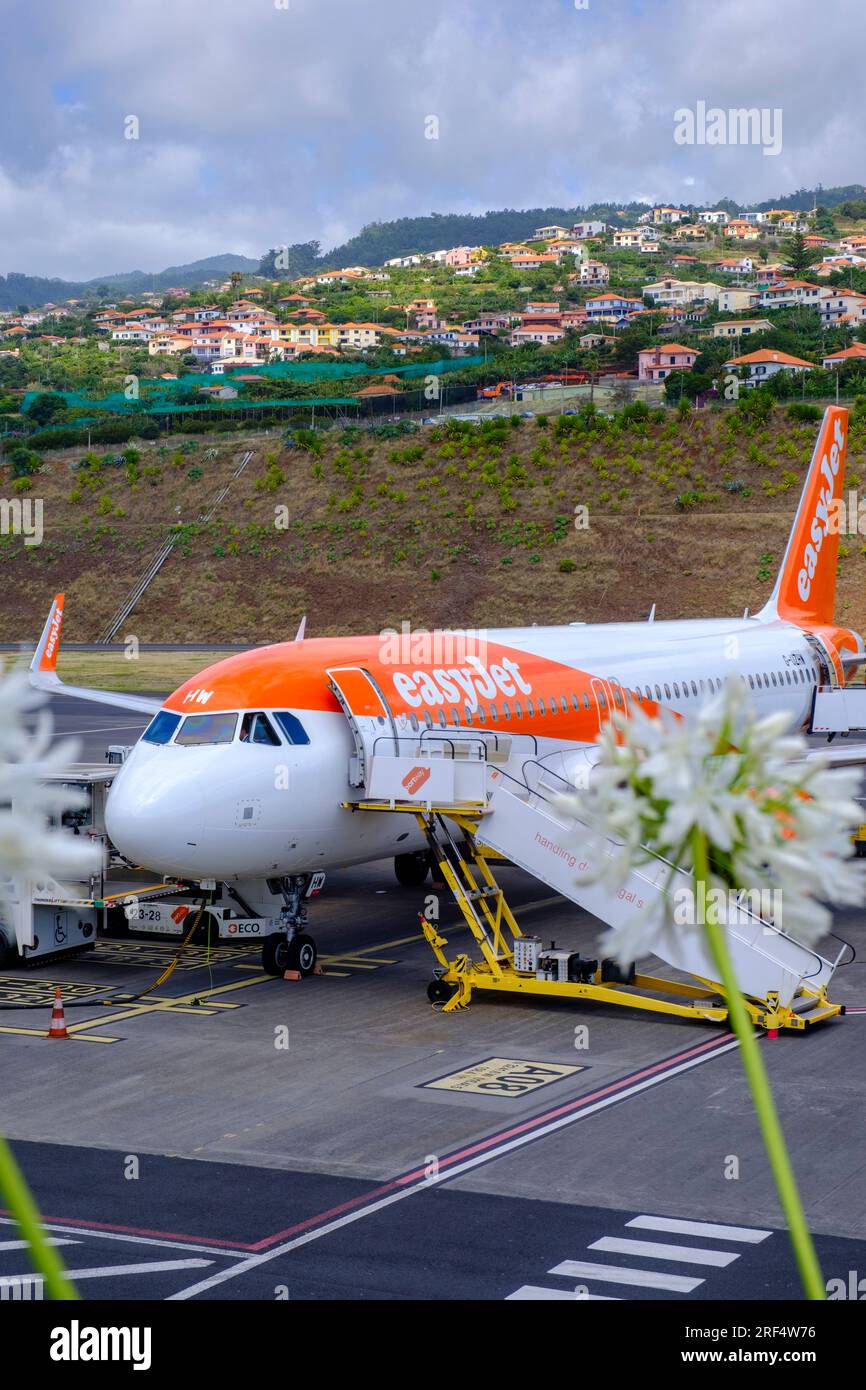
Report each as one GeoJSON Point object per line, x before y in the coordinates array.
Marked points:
{"type": "Point", "coordinates": [669, 216]}
{"type": "Point", "coordinates": [536, 333]}
{"type": "Point", "coordinates": [532, 260]}
{"type": "Point", "coordinates": [788, 293]}
{"type": "Point", "coordinates": [657, 363]}
{"type": "Point", "coordinates": [490, 322]}
{"type": "Point", "coordinates": [611, 306]}
{"type": "Point", "coordinates": [766, 362]}
{"type": "Point", "coordinates": [584, 231]}
{"type": "Point", "coordinates": [627, 237]}
{"type": "Point", "coordinates": [735, 265]}
{"type": "Point", "coordinates": [549, 233]}
{"type": "Point", "coordinates": [741, 328]}
{"type": "Point", "coordinates": [680, 292]}
{"type": "Point", "coordinates": [855, 353]}
{"type": "Point", "coordinates": [714, 218]}
{"type": "Point", "coordinates": [593, 273]}
{"type": "Point", "coordinates": [733, 301]}
{"type": "Point", "coordinates": [742, 231]}
{"type": "Point", "coordinates": [840, 305]}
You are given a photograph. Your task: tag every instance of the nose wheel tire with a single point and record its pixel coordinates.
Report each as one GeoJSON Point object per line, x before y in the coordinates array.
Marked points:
{"type": "Point", "coordinates": [279, 954]}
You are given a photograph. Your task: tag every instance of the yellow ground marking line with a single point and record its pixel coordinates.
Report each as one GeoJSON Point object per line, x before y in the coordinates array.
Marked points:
{"type": "Point", "coordinates": [42, 1033]}
{"type": "Point", "coordinates": [177, 1004]}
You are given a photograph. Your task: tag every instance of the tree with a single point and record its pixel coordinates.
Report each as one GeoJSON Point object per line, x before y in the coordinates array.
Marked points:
{"type": "Point", "coordinates": [235, 279]}
{"type": "Point", "coordinates": [797, 254]}
{"type": "Point", "coordinates": [46, 407]}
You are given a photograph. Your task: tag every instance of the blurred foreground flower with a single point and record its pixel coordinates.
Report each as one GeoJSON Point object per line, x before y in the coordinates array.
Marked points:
{"type": "Point", "coordinates": [728, 797]}
{"type": "Point", "coordinates": [32, 853]}
{"type": "Point", "coordinates": [30, 849]}
{"type": "Point", "coordinates": [775, 826]}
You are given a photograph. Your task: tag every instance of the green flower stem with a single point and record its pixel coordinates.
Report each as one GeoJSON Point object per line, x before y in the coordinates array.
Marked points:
{"type": "Point", "coordinates": [759, 1085]}
{"type": "Point", "coordinates": [20, 1203]}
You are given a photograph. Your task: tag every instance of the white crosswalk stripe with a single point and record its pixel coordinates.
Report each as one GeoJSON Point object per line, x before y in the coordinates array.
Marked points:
{"type": "Point", "coordinates": [708, 1256]}
{"type": "Point", "coordinates": [537, 1293]}
{"type": "Point", "coordinates": [616, 1274]}
{"type": "Point", "coordinates": [656, 1250]}
{"type": "Point", "coordinates": [707, 1229]}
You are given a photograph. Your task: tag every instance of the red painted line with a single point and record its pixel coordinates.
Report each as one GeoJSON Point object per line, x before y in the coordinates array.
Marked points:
{"type": "Point", "coordinates": [535, 1122]}
{"type": "Point", "coordinates": [137, 1231]}
{"type": "Point", "coordinates": [373, 1195]}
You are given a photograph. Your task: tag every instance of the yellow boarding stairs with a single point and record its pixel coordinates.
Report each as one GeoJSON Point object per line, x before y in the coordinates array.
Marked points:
{"type": "Point", "coordinates": [478, 796]}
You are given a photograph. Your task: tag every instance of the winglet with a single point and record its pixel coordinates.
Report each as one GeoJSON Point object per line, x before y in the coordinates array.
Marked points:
{"type": "Point", "coordinates": [302, 627]}
{"type": "Point", "coordinates": [44, 664]}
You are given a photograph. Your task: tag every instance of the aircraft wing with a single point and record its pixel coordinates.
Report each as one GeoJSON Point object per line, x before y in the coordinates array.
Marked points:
{"type": "Point", "coordinates": [43, 671]}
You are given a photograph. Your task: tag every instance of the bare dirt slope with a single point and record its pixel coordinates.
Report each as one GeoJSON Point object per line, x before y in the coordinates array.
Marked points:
{"type": "Point", "coordinates": [431, 529]}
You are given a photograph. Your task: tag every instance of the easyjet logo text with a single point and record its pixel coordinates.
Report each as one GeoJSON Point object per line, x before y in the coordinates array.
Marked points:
{"type": "Point", "coordinates": [470, 683]}
{"type": "Point", "coordinates": [820, 524]}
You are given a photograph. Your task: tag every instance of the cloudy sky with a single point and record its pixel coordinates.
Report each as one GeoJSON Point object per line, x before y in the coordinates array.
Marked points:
{"type": "Point", "coordinates": [263, 122]}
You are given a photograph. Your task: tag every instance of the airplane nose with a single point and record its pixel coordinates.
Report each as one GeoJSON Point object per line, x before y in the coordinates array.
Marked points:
{"type": "Point", "coordinates": [155, 814]}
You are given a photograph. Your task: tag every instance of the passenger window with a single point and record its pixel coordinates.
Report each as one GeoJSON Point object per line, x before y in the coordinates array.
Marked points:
{"type": "Point", "coordinates": [506, 712]}
{"type": "Point", "coordinates": [541, 706]}
{"type": "Point", "coordinates": [695, 688]}
{"type": "Point", "coordinates": [530, 707]}
{"type": "Point", "coordinates": [658, 693]}
{"type": "Point", "coordinates": [257, 728]}
{"type": "Point", "coordinates": [585, 700]}
{"type": "Point", "coordinates": [161, 728]}
{"type": "Point", "coordinates": [773, 677]}
{"type": "Point", "coordinates": [468, 711]}
{"type": "Point", "coordinates": [752, 682]}
{"type": "Point", "coordinates": [493, 714]}
{"type": "Point", "coordinates": [575, 703]}
{"type": "Point", "coordinates": [518, 709]}
{"type": "Point", "coordinates": [442, 720]}
{"type": "Point", "coordinates": [428, 720]}
{"type": "Point", "coordinates": [617, 697]}
{"type": "Point", "coordinates": [668, 691]}
{"type": "Point", "coordinates": [413, 720]}
{"type": "Point", "coordinates": [455, 717]}
{"type": "Point", "coordinates": [676, 690]}
{"type": "Point", "coordinates": [199, 729]}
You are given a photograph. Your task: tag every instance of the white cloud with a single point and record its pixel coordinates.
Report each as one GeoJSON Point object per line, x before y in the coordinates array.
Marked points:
{"type": "Point", "coordinates": [260, 125]}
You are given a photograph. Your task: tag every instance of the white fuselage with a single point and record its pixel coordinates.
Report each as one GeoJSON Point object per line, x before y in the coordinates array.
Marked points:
{"type": "Point", "coordinates": [237, 810]}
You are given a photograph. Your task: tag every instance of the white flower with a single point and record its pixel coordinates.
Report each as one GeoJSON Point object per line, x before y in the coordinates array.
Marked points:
{"type": "Point", "coordinates": [30, 849]}
{"type": "Point", "coordinates": [772, 821]}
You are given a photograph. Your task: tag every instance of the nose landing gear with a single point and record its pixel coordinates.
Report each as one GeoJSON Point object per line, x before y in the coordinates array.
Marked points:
{"type": "Point", "coordinates": [291, 948]}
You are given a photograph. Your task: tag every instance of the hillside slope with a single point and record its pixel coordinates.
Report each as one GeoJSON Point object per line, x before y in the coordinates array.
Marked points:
{"type": "Point", "coordinates": [433, 529]}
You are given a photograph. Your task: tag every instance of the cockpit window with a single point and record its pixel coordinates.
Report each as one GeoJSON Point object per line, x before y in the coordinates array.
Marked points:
{"type": "Point", "coordinates": [257, 728]}
{"type": "Point", "coordinates": [198, 729]}
{"type": "Point", "coordinates": [161, 728]}
{"type": "Point", "coordinates": [294, 730]}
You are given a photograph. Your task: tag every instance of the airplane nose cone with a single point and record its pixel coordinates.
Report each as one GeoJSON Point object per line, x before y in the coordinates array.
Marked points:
{"type": "Point", "coordinates": [155, 812]}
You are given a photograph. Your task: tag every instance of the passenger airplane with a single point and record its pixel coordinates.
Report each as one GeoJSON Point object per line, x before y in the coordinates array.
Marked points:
{"type": "Point", "coordinates": [243, 773]}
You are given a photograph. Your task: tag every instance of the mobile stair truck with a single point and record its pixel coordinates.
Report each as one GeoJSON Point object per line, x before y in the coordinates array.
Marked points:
{"type": "Point", "coordinates": [480, 796]}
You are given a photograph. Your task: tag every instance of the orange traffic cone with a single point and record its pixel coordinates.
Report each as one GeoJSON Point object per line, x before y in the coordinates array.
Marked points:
{"type": "Point", "coordinates": [58, 1018]}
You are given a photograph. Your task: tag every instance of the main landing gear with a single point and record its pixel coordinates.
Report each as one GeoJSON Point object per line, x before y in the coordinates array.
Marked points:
{"type": "Point", "coordinates": [291, 948]}
{"type": "Point", "coordinates": [412, 869]}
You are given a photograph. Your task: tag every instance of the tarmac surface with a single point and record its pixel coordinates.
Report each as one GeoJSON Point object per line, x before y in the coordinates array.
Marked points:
{"type": "Point", "coordinates": [237, 1136]}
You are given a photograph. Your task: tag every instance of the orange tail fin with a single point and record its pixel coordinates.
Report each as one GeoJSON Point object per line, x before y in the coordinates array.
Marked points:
{"type": "Point", "coordinates": [805, 591]}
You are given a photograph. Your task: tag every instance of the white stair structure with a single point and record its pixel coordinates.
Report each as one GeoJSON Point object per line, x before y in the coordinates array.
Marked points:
{"type": "Point", "coordinates": [527, 827]}
{"type": "Point", "coordinates": [506, 799]}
